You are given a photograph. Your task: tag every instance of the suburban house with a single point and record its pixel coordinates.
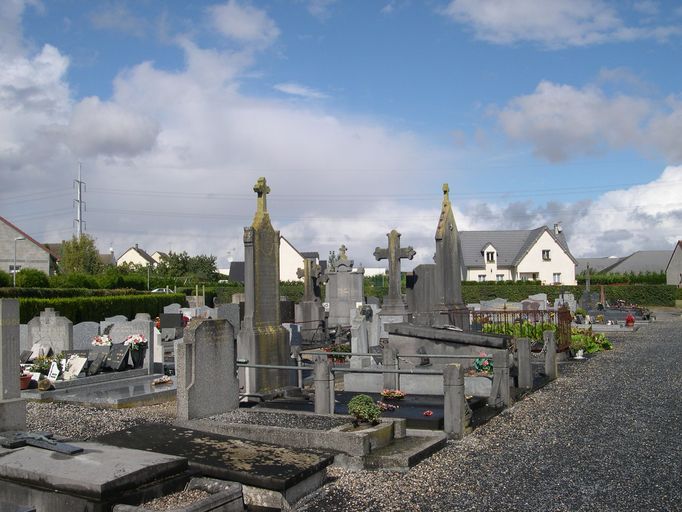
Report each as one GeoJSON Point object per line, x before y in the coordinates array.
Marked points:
{"type": "Point", "coordinates": [135, 256]}
{"type": "Point", "coordinates": [673, 271]}
{"type": "Point", "coordinates": [29, 252]}
{"type": "Point", "coordinates": [639, 262]}
{"type": "Point", "coordinates": [290, 260]}
{"type": "Point", "coordinates": [157, 256]}
{"type": "Point", "coordinates": [539, 254]}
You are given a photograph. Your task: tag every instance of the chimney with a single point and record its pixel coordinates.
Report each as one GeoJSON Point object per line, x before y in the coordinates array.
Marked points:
{"type": "Point", "coordinates": [136, 247]}
{"type": "Point", "coordinates": [557, 228]}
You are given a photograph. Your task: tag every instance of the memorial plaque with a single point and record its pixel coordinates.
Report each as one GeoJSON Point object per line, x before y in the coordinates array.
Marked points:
{"type": "Point", "coordinates": [96, 361]}
{"type": "Point", "coordinates": [117, 359]}
{"type": "Point", "coordinates": [25, 356]}
{"type": "Point", "coordinates": [79, 353]}
{"type": "Point", "coordinates": [74, 365]}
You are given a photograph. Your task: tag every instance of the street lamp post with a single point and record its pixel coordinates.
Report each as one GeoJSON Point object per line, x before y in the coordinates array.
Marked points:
{"type": "Point", "coordinates": [14, 270]}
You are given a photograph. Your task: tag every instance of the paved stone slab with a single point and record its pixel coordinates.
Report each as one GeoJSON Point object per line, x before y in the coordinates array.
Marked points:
{"type": "Point", "coordinates": [101, 470]}
{"type": "Point", "coordinates": [248, 462]}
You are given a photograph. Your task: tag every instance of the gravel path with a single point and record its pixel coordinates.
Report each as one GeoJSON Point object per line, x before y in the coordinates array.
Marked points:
{"type": "Point", "coordinates": [606, 436]}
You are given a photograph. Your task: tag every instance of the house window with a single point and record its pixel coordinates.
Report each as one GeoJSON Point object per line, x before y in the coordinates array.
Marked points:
{"type": "Point", "coordinates": [556, 278]}
{"type": "Point", "coordinates": [500, 277]}
{"type": "Point", "coordinates": [490, 256]}
{"type": "Point", "coordinates": [545, 255]}
{"type": "Point", "coordinates": [481, 278]}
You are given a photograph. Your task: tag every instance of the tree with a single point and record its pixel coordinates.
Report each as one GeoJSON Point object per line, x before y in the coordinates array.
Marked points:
{"type": "Point", "coordinates": [183, 265]}
{"type": "Point", "coordinates": [32, 278]}
{"type": "Point", "coordinates": [80, 255]}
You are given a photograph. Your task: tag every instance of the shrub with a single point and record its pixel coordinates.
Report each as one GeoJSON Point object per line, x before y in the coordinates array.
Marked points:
{"type": "Point", "coordinates": [5, 279]}
{"type": "Point", "coordinates": [73, 280]}
{"type": "Point", "coordinates": [32, 278]}
{"type": "Point", "coordinates": [363, 408]}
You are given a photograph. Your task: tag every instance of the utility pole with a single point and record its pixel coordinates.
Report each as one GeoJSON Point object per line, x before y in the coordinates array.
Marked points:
{"type": "Point", "coordinates": [79, 202]}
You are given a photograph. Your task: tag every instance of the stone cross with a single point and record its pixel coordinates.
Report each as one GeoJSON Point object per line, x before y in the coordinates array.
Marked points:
{"type": "Point", "coordinates": [342, 252]}
{"type": "Point", "coordinates": [394, 253]}
{"type": "Point", "coordinates": [311, 273]}
{"type": "Point", "coordinates": [262, 189]}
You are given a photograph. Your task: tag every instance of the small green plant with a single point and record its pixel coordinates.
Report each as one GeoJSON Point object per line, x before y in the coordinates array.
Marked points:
{"type": "Point", "coordinates": [483, 364]}
{"type": "Point", "coordinates": [41, 364]}
{"type": "Point", "coordinates": [363, 408]}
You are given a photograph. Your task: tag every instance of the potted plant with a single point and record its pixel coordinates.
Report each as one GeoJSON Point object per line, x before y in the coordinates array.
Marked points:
{"type": "Point", "coordinates": [24, 379]}
{"type": "Point", "coordinates": [138, 345]}
{"type": "Point", "coordinates": [364, 410]}
{"type": "Point", "coordinates": [41, 364]}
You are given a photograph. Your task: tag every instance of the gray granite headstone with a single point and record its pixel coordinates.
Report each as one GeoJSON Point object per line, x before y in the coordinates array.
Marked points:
{"type": "Point", "coordinates": [121, 330]}
{"type": "Point", "coordinates": [83, 334]}
{"type": "Point", "coordinates": [206, 370]}
{"type": "Point", "coordinates": [172, 308]}
{"type": "Point", "coordinates": [143, 316]}
{"type": "Point", "coordinates": [51, 329]}
{"type": "Point", "coordinates": [294, 333]}
{"type": "Point", "coordinates": [230, 312]}
{"type": "Point", "coordinates": [568, 299]}
{"type": "Point", "coordinates": [493, 305]}
{"type": "Point", "coordinates": [238, 297]}
{"type": "Point", "coordinates": [116, 319]}
{"type": "Point", "coordinates": [344, 288]}
{"type": "Point", "coordinates": [23, 337]}
{"type": "Point", "coordinates": [394, 304]}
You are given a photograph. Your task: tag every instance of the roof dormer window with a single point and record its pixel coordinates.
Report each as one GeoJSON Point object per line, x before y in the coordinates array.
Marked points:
{"type": "Point", "coordinates": [490, 256]}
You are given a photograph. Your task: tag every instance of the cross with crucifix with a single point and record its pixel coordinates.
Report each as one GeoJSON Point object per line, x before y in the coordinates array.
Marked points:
{"type": "Point", "coordinates": [394, 253]}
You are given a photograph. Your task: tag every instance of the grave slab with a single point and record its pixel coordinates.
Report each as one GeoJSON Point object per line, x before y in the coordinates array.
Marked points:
{"type": "Point", "coordinates": [101, 472]}
{"type": "Point", "coordinates": [277, 471]}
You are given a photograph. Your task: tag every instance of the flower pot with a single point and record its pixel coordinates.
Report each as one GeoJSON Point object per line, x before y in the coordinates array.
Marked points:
{"type": "Point", "coordinates": [24, 381]}
{"type": "Point", "coordinates": [137, 356]}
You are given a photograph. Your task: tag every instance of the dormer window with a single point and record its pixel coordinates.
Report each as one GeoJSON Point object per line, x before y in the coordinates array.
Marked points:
{"type": "Point", "coordinates": [545, 255]}
{"type": "Point", "coordinates": [490, 256]}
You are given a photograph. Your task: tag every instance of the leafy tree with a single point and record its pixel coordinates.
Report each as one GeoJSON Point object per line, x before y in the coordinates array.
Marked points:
{"type": "Point", "coordinates": [183, 265]}
{"type": "Point", "coordinates": [79, 255]}
{"type": "Point", "coordinates": [5, 278]}
{"type": "Point", "coordinates": [32, 278]}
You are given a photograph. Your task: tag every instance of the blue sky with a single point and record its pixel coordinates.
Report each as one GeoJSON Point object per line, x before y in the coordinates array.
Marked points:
{"type": "Point", "coordinates": [356, 112]}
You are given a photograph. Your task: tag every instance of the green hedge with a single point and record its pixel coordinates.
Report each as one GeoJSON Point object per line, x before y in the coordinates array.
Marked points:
{"type": "Point", "coordinates": [642, 294]}
{"type": "Point", "coordinates": [678, 294]}
{"type": "Point", "coordinates": [53, 293]}
{"type": "Point", "coordinates": [513, 292]}
{"type": "Point", "coordinates": [95, 309]}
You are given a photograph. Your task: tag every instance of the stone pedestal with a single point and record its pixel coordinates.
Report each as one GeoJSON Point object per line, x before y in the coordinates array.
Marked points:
{"type": "Point", "coordinates": [12, 407]}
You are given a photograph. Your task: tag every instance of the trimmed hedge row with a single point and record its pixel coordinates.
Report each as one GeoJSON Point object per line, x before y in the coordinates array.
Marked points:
{"type": "Point", "coordinates": [95, 309]}
{"type": "Point", "coordinates": [53, 293]}
{"type": "Point", "coordinates": [644, 295]}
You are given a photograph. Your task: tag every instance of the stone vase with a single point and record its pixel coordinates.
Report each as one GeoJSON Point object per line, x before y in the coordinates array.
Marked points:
{"type": "Point", "coordinates": [137, 356]}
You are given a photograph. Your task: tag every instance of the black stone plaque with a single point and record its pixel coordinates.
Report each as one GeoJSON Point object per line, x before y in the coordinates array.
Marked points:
{"type": "Point", "coordinates": [170, 320]}
{"type": "Point", "coordinates": [96, 360]}
{"type": "Point", "coordinates": [117, 359]}
{"type": "Point", "coordinates": [25, 356]}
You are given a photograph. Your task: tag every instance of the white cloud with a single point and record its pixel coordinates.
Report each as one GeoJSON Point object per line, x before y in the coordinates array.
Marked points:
{"type": "Point", "coordinates": [299, 90]}
{"type": "Point", "coordinates": [244, 23]}
{"type": "Point", "coordinates": [104, 128]}
{"type": "Point", "coordinates": [554, 24]}
{"type": "Point", "coordinates": [562, 121]}
{"type": "Point", "coordinates": [320, 8]}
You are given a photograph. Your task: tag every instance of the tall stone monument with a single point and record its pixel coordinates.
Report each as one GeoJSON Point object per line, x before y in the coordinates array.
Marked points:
{"type": "Point", "coordinates": [449, 306]}
{"type": "Point", "coordinates": [262, 339]}
{"type": "Point", "coordinates": [309, 313]}
{"type": "Point", "coordinates": [344, 288]}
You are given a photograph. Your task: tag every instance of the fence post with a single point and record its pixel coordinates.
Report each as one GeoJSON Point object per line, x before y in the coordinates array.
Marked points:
{"type": "Point", "coordinates": [523, 361]}
{"type": "Point", "coordinates": [500, 395]}
{"type": "Point", "coordinates": [390, 362]}
{"type": "Point", "coordinates": [454, 410]}
{"type": "Point", "coordinates": [324, 403]}
{"type": "Point", "coordinates": [551, 369]}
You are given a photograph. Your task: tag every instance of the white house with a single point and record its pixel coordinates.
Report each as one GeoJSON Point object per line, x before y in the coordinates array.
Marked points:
{"type": "Point", "coordinates": [135, 256]}
{"type": "Point", "coordinates": [539, 254]}
{"type": "Point", "coordinates": [673, 271]}
{"type": "Point", "coordinates": [157, 256]}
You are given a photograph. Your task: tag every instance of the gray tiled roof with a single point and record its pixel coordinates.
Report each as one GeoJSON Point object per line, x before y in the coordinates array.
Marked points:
{"type": "Point", "coordinates": [511, 246]}
{"type": "Point", "coordinates": [596, 264]}
{"type": "Point", "coordinates": [640, 262]}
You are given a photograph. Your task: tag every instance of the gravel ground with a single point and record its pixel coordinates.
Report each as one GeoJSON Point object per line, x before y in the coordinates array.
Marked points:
{"type": "Point", "coordinates": [606, 436]}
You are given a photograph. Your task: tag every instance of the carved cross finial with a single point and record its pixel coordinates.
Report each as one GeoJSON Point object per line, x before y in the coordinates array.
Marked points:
{"type": "Point", "coordinates": [262, 189]}
{"type": "Point", "coordinates": [342, 252]}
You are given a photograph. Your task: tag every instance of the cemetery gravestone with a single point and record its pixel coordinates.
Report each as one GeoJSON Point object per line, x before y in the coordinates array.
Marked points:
{"type": "Point", "coordinates": [83, 334]}
{"type": "Point", "coordinates": [121, 330]}
{"type": "Point", "coordinates": [230, 312]}
{"type": "Point", "coordinates": [206, 370]}
{"type": "Point", "coordinates": [393, 302]}
{"type": "Point", "coordinates": [344, 288]}
{"type": "Point", "coordinates": [51, 329]}
{"type": "Point", "coordinates": [309, 313]}
{"type": "Point", "coordinates": [262, 339]}
{"type": "Point", "coordinates": [172, 308]}
{"type": "Point", "coordinates": [117, 359]}
{"type": "Point", "coordinates": [12, 407]}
